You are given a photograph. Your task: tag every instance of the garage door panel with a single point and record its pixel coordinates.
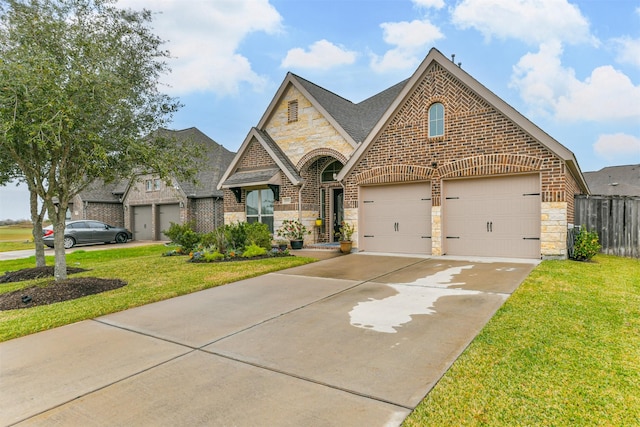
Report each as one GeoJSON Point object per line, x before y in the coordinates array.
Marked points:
{"type": "Point", "coordinates": [168, 214]}
{"type": "Point", "coordinates": [142, 224]}
{"type": "Point", "coordinates": [396, 218]}
{"type": "Point", "coordinates": [493, 216]}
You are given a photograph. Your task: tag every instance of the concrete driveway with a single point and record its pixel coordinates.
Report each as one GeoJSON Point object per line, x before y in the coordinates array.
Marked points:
{"type": "Point", "coordinates": [357, 340]}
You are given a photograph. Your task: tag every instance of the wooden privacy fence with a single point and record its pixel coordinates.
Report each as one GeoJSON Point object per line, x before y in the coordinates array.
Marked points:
{"type": "Point", "coordinates": [616, 219]}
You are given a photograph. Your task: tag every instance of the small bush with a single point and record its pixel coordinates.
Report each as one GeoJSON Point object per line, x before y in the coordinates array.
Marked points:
{"type": "Point", "coordinates": [585, 245]}
{"type": "Point", "coordinates": [258, 234]}
{"type": "Point", "coordinates": [208, 240]}
{"type": "Point", "coordinates": [213, 256]}
{"type": "Point", "coordinates": [183, 235]}
{"type": "Point", "coordinates": [236, 235]}
{"type": "Point", "coordinates": [254, 250]}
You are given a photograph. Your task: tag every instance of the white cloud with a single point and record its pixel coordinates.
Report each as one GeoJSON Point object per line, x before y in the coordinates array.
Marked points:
{"type": "Point", "coordinates": [410, 39]}
{"type": "Point", "coordinates": [206, 55]}
{"type": "Point", "coordinates": [606, 95]}
{"type": "Point", "coordinates": [321, 55]}
{"type": "Point", "coordinates": [548, 87]}
{"type": "Point", "coordinates": [436, 4]}
{"type": "Point", "coordinates": [628, 50]}
{"type": "Point", "coordinates": [618, 148]}
{"type": "Point", "coordinates": [530, 21]}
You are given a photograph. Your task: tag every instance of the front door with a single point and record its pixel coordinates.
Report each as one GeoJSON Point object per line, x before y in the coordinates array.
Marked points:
{"type": "Point", "coordinates": [337, 207]}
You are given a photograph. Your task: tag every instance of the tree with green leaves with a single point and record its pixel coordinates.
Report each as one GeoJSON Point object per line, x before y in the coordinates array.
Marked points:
{"type": "Point", "coordinates": [80, 100]}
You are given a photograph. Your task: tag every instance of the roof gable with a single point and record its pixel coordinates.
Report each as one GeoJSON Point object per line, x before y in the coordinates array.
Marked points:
{"type": "Point", "coordinates": [211, 166]}
{"type": "Point", "coordinates": [476, 87]}
{"type": "Point", "coordinates": [232, 177]}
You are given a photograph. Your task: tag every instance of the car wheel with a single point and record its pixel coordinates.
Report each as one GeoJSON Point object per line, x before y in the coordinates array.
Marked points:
{"type": "Point", "coordinates": [121, 238]}
{"type": "Point", "coordinates": [69, 242]}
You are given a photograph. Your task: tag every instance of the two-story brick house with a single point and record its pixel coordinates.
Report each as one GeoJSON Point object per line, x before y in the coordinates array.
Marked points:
{"type": "Point", "coordinates": [436, 164]}
{"type": "Point", "coordinates": [147, 204]}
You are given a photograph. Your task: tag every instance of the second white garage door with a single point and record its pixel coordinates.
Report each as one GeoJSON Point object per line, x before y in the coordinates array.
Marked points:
{"type": "Point", "coordinates": [168, 214]}
{"type": "Point", "coordinates": [395, 218]}
{"type": "Point", "coordinates": [498, 217]}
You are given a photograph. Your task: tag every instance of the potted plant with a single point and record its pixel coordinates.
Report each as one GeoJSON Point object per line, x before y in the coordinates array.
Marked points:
{"type": "Point", "coordinates": [344, 235]}
{"type": "Point", "coordinates": [293, 230]}
{"type": "Point", "coordinates": [282, 244]}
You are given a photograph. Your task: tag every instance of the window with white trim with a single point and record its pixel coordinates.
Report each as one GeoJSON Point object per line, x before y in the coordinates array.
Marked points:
{"type": "Point", "coordinates": [436, 120]}
{"type": "Point", "coordinates": [259, 205]}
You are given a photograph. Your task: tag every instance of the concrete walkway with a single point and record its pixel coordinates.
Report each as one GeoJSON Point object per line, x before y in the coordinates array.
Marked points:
{"type": "Point", "coordinates": [356, 340]}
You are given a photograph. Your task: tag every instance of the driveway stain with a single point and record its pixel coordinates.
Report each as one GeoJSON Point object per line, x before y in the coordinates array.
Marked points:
{"type": "Point", "coordinates": [419, 297]}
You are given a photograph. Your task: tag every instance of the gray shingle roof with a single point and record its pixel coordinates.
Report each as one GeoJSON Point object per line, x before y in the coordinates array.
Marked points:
{"type": "Point", "coordinates": [615, 181]}
{"type": "Point", "coordinates": [254, 177]}
{"type": "Point", "coordinates": [99, 192]}
{"type": "Point", "coordinates": [279, 153]}
{"type": "Point", "coordinates": [356, 119]}
{"type": "Point", "coordinates": [215, 162]}
{"type": "Point", "coordinates": [217, 159]}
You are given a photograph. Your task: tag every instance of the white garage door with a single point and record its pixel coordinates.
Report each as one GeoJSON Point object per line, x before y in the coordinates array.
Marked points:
{"type": "Point", "coordinates": [168, 214]}
{"type": "Point", "coordinates": [395, 218]}
{"type": "Point", "coordinates": [492, 216]}
{"type": "Point", "coordinates": [142, 225]}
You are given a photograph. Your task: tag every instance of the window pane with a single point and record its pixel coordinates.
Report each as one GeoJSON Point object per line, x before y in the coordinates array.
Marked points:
{"type": "Point", "coordinates": [436, 120]}
{"type": "Point", "coordinates": [269, 221]}
{"type": "Point", "coordinates": [267, 202]}
{"type": "Point", "coordinates": [252, 202]}
{"type": "Point", "coordinates": [330, 171]}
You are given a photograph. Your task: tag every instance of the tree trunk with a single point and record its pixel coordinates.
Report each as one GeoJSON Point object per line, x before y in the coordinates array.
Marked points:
{"type": "Point", "coordinates": [36, 220]}
{"type": "Point", "coordinates": [57, 214]}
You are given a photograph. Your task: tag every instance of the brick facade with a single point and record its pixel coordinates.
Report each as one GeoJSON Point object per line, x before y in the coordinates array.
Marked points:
{"type": "Point", "coordinates": [108, 212]}
{"type": "Point", "coordinates": [207, 214]}
{"type": "Point", "coordinates": [479, 140]}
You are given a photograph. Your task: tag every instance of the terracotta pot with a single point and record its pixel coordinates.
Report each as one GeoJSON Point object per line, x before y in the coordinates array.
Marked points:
{"type": "Point", "coordinates": [345, 247]}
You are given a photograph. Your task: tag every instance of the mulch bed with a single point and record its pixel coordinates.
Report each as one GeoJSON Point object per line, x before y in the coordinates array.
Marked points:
{"type": "Point", "coordinates": [52, 292]}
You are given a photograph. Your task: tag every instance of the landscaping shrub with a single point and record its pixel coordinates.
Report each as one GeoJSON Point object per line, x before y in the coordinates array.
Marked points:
{"type": "Point", "coordinates": [236, 235]}
{"type": "Point", "coordinates": [213, 256]}
{"type": "Point", "coordinates": [208, 240]}
{"type": "Point", "coordinates": [183, 235]}
{"type": "Point", "coordinates": [254, 250]}
{"type": "Point", "coordinates": [258, 234]}
{"type": "Point", "coordinates": [585, 245]}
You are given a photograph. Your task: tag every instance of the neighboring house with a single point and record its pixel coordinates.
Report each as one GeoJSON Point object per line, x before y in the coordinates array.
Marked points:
{"type": "Point", "coordinates": [150, 205]}
{"type": "Point", "coordinates": [147, 205]}
{"type": "Point", "coordinates": [436, 164]}
{"type": "Point", "coordinates": [100, 201]}
{"type": "Point", "coordinates": [615, 181]}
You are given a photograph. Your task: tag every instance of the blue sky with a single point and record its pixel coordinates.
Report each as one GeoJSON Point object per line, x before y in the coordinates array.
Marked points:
{"type": "Point", "coordinates": [571, 67]}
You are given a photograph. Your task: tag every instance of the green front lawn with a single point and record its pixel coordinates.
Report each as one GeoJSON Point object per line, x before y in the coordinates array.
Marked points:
{"type": "Point", "coordinates": [150, 278]}
{"type": "Point", "coordinates": [16, 237]}
{"type": "Point", "coordinates": [564, 350]}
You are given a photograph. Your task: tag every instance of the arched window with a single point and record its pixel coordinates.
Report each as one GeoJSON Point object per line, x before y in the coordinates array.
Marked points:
{"type": "Point", "coordinates": [329, 173]}
{"type": "Point", "coordinates": [436, 120]}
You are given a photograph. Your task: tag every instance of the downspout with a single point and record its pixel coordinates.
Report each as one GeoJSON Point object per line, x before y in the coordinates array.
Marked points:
{"type": "Point", "coordinates": [300, 200]}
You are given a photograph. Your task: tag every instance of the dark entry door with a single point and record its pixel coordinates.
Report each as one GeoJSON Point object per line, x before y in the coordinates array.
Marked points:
{"type": "Point", "coordinates": [337, 203]}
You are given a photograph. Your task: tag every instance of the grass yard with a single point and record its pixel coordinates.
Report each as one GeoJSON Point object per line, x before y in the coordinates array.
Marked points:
{"type": "Point", "coordinates": [16, 237]}
{"type": "Point", "coordinates": [150, 278]}
{"type": "Point", "coordinates": [564, 350]}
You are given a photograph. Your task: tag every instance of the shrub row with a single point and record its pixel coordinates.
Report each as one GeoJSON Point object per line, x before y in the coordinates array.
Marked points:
{"type": "Point", "coordinates": [242, 239]}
